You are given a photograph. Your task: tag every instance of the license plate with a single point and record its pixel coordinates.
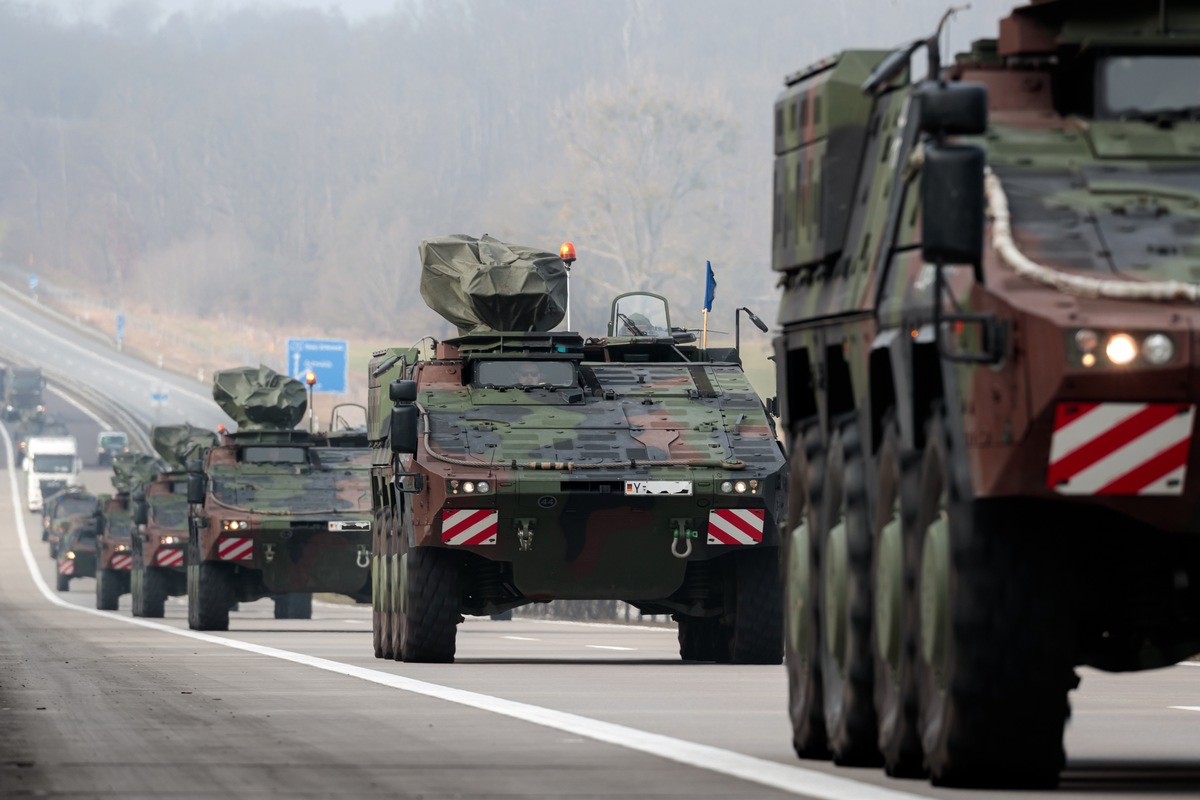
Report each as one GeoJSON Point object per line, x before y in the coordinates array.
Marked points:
{"type": "Point", "coordinates": [658, 487]}
{"type": "Point", "coordinates": [350, 526]}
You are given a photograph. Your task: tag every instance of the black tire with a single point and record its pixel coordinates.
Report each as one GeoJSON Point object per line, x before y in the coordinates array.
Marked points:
{"type": "Point", "coordinates": [995, 649]}
{"type": "Point", "coordinates": [293, 605]}
{"type": "Point", "coordinates": [703, 639]}
{"type": "Point", "coordinates": [430, 616]}
{"type": "Point", "coordinates": [154, 592]}
{"type": "Point", "coordinates": [895, 562]}
{"type": "Point", "coordinates": [801, 563]}
{"type": "Point", "coordinates": [53, 550]}
{"type": "Point", "coordinates": [756, 635]}
{"type": "Point", "coordinates": [210, 590]}
{"type": "Point", "coordinates": [137, 578]}
{"type": "Point", "coordinates": [62, 582]}
{"type": "Point", "coordinates": [380, 642]}
{"type": "Point", "coordinates": [847, 600]}
{"type": "Point", "coordinates": [108, 589]}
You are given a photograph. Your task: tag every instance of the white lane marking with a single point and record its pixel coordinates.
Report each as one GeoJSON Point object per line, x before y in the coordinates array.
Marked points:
{"type": "Point", "coordinates": [609, 647]}
{"type": "Point", "coordinates": [785, 777]}
{"type": "Point", "coordinates": [1186, 708]}
{"type": "Point", "coordinates": [521, 638]}
{"type": "Point", "coordinates": [355, 621]}
{"type": "Point", "coordinates": [87, 412]}
{"type": "Point", "coordinates": [613, 625]}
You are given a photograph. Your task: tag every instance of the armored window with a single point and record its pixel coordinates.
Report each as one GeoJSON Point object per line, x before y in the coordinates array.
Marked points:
{"type": "Point", "coordinates": [529, 373]}
{"type": "Point", "coordinates": [258, 454]}
{"type": "Point", "coordinates": [1138, 86]}
{"type": "Point", "coordinates": [70, 506]}
{"type": "Point", "coordinates": [169, 512]}
{"type": "Point", "coordinates": [53, 463]}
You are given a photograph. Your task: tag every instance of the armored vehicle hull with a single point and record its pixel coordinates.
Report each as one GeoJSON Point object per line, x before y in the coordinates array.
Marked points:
{"type": "Point", "coordinates": [60, 508]}
{"type": "Point", "coordinates": [990, 419]}
{"type": "Point", "coordinates": [629, 468]}
{"type": "Point", "coordinates": [159, 566]}
{"type": "Point", "coordinates": [76, 552]}
{"type": "Point", "coordinates": [114, 552]}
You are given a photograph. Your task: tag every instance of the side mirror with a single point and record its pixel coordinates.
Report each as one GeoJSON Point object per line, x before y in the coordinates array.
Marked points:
{"type": "Point", "coordinates": [772, 406]}
{"type": "Point", "coordinates": [952, 204]}
{"type": "Point", "coordinates": [403, 433]}
{"type": "Point", "coordinates": [141, 511]}
{"type": "Point", "coordinates": [196, 487]}
{"type": "Point", "coordinates": [402, 391]}
{"type": "Point", "coordinates": [953, 109]}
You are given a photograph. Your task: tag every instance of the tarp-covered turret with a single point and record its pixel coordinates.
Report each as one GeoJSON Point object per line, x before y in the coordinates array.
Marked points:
{"type": "Point", "coordinates": [175, 442]}
{"type": "Point", "coordinates": [259, 398]}
{"type": "Point", "coordinates": [130, 469]}
{"type": "Point", "coordinates": [487, 285]}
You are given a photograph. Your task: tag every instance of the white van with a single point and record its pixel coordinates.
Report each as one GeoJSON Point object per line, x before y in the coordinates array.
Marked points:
{"type": "Point", "coordinates": [52, 463]}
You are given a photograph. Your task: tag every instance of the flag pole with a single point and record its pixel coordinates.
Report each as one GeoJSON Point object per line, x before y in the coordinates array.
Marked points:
{"type": "Point", "coordinates": [704, 335]}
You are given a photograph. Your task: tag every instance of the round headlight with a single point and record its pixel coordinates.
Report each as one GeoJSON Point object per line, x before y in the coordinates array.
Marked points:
{"type": "Point", "coordinates": [1086, 340]}
{"type": "Point", "coordinates": [1121, 349]}
{"type": "Point", "coordinates": [1158, 349]}
{"type": "Point", "coordinates": [482, 486]}
{"type": "Point", "coordinates": [468, 487]}
{"type": "Point", "coordinates": [727, 486]}
{"type": "Point", "coordinates": [740, 487]}
{"type": "Point", "coordinates": [70, 554]}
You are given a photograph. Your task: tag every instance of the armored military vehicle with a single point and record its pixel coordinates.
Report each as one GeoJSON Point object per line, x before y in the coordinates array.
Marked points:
{"type": "Point", "coordinates": [60, 508]}
{"type": "Point", "coordinates": [274, 511]}
{"type": "Point", "coordinates": [22, 391]}
{"type": "Point", "coordinates": [521, 464]}
{"type": "Point", "coordinates": [160, 512]}
{"type": "Point", "coordinates": [115, 540]}
{"type": "Point", "coordinates": [987, 380]}
{"type": "Point", "coordinates": [77, 551]}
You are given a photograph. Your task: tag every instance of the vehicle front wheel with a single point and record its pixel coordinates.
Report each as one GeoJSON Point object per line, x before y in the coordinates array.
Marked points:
{"type": "Point", "coordinates": [108, 589]}
{"type": "Point", "coordinates": [210, 590]}
{"type": "Point", "coordinates": [429, 611]}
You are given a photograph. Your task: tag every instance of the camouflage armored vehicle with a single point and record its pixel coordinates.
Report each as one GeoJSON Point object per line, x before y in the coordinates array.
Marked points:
{"type": "Point", "coordinates": [60, 508]}
{"type": "Point", "coordinates": [115, 542]}
{"type": "Point", "coordinates": [160, 513]}
{"type": "Point", "coordinates": [22, 391]}
{"type": "Point", "coordinates": [77, 551]}
{"type": "Point", "coordinates": [275, 511]}
{"type": "Point", "coordinates": [987, 377]}
{"type": "Point", "coordinates": [523, 465]}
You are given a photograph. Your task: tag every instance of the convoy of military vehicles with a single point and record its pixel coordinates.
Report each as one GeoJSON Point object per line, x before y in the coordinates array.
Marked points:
{"type": "Point", "coordinates": [985, 372]}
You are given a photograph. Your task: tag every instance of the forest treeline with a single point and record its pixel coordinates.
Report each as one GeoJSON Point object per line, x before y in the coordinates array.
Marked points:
{"type": "Point", "coordinates": [276, 164]}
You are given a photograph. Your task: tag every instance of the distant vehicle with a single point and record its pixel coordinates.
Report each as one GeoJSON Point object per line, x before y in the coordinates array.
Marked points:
{"type": "Point", "coordinates": [77, 551]}
{"type": "Point", "coordinates": [60, 508]}
{"type": "Point", "coordinates": [522, 464]}
{"type": "Point", "coordinates": [22, 390]}
{"type": "Point", "coordinates": [108, 444]}
{"type": "Point", "coordinates": [274, 511]}
{"type": "Point", "coordinates": [51, 464]}
{"type": "Point", "coordinates": [114, 543]}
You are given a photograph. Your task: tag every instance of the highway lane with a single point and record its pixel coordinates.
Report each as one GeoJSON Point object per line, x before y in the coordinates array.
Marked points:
{"type": "Point", "coordinates": [43, 339]}
{"type": "Point", "coordinates": [93, 705]}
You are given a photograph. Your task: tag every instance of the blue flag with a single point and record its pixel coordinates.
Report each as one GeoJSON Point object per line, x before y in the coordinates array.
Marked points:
{"type": "Point", "coordinates": [710, 287]}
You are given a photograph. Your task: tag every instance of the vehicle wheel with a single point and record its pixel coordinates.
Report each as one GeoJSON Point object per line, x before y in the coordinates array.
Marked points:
{"type": "Point", "coordinates": [895, 564]}
{"type": "Point", "coordinates": [294, 605]}
{"type": "Point", "coordinates": [154, 592]}
{"type": "Point", "coordinates": [63, 583]}
{"type": "Point", "coordinates": [703, 639]}
{"type": "Point", "coordinates": [429, 610]}
{"type": "Point", "coordinates": [53, 550]}
{"type": "Point", "coordinates": [380, 642]}
{"type": "Point", "coordinates": [847, 665]}
{"type": "Point", "coordinates": [210, 590]}
{"type": "Point", "coordinates": [108, 589]}
{"type": "Point", "coordinates": [137, 578]}
{"type": "Point", "coordinates": [995, 648]}
{"type": "Point", "coordinates": [395, 586]}
{"type": "Point", "coordinates": [756, 636]}
{"type": "Point", "coordinates": [801, 606]}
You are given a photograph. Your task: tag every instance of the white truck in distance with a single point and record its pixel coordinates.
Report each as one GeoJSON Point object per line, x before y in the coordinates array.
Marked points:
{"type": "Point", "coordinates": [52, 463]}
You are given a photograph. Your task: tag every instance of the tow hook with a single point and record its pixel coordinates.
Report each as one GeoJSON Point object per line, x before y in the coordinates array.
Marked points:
{"type": "Point", "coordinates": [682, 533]}
{"type": "Point", "coordinates": [268, 552]}
{"type": "Point", "coordinates": [363, 559]}
{"type": "Point", "coordinates": [525, 535]}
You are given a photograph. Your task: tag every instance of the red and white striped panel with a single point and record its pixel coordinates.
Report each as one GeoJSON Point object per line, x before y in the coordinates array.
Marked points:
{"type": "Point", "coordinates": [470, 526]}
{"type": "Point", "coordinates": [736, 525]}
{"type": "Point", "coordinates": [169, 558]}
{"type": "Point", "coordinates": [66, 567]}
{"type": "Point", "coordinates": [235, 549]}
{"type": "Point", "coordinates": [121, 561]}
{"type": "Point", "coordinates": [1120, 448]}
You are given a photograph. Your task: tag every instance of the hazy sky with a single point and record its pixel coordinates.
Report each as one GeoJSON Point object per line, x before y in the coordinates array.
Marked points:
{"type": "Point", "coordinates": [99, 10]}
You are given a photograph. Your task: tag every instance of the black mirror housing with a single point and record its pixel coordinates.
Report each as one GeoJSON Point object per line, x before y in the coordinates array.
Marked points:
{"type": "Point", "coordinates": [403, 432]}
{"type": "Point", "coordinates": [196, 487]}
{"type": "Point", "coordinates": [402, 391]}
{"type": "Point", "coordinates": [141, 511]}
{"type": "Point", "coordinates": [953, 109]}
{"type": "Point", "coordinates": [952, 204]}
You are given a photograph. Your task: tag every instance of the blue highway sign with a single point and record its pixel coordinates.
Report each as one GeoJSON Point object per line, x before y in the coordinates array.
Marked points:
{"type": "Point", "coordinates": [325, 357]}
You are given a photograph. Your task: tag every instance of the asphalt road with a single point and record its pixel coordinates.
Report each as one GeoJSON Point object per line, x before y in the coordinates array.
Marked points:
{"type": "Point", "coordinates": [96, 704]}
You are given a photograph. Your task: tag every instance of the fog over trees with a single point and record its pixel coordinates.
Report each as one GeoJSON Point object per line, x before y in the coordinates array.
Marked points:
{"type": "Point", "coordinates": [274, 162]}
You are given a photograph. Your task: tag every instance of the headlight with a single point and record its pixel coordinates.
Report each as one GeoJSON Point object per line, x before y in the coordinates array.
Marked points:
{"type": "Point", "coordinates": [740, 487]}
{"type": "Point", "coordinates": [70, 554]}
{"type": "Point", "coordinates": [1121, 349]}
{"type": "Point", "coordinates": [468, 487]}
{"type": "Point", "coordinates": [454, 487]}
{"type": "Point", "coordinates": [169, 540]}
{"type": "Point", "coordinates": [121, 548]}
{"type": "Point", "coordinates": [727, 486]}
{"type": "Point", "coordinates": [234, 525]}
{"type": "Point", "coordinates": [1158, 349]}
{"type": "Point", "coordinates": [482, 486]}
